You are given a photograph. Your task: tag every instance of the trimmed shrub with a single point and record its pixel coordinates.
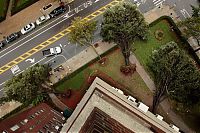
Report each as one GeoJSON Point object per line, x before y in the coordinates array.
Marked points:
{"type": "Point", "coordinates": [16, 9]}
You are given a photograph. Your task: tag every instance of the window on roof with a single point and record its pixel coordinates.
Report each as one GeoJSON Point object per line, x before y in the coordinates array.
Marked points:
{"type": "Point", "coordinates": [36, 113]}
{"type": "Point", "coordinates": [14, 128]}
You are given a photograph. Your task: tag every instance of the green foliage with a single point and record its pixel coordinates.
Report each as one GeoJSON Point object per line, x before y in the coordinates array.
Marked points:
{"type": "Point", "coordinates": [39, 99]}
{"type": "Point", "coordinates": [123, 24]}
{"type": "Point", "coordinates": [26, 85]}
{"type": "Point", "coordinates": [175, 73]}
{"type": "Point", "coordinates": [82, 31]}
{"type": "Point", "coordinates": [19, 5]}
{"type": "Point", "coordinates": [191, 27]}
{"type": "Point", "coordinates": [195, 11]}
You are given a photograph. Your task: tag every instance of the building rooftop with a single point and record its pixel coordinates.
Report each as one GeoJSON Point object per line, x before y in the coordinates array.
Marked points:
{"type": "Point", "coordinates": [41, 118]}
{"type": "Point", "coordinates": [103, 109]}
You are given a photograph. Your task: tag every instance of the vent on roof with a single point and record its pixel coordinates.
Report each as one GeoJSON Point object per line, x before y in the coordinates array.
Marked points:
{"type": "Point", "coordinates": [159, 117]}
{"type": "Point", "coordinates": [14, 128]}
{"type": "Point", "coordinates": [143, 107]}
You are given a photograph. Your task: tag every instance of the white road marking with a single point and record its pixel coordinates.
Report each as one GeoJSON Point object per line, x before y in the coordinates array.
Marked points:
{"type": "Point", "coordinates": [31, 60]}
{"type": "Point", "coordinates": [88, 2]}
{"type": "Point", "coordinates": [158, 2]}
{"type": "Point", "coordinates": [184, 13]}
{"type": "Point", "coordinates": [15, 69]}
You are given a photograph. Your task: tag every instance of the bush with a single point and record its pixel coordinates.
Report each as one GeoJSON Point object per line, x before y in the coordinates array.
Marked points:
{"type": "Point", "coordinates": [16, 9]}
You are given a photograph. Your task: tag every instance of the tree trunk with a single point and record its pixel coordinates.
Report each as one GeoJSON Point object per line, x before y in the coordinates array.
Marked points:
{"type": "Point", "coordinates": [126, 53]}
{"type": "Point", "coordinates": [96, 51]}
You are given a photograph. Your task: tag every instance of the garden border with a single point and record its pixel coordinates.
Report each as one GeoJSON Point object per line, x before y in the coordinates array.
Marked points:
{"type": "Point", "coordinates": [179, 34]}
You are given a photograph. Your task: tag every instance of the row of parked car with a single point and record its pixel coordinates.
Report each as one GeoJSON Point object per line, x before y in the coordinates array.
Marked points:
{"type": "Point", "coordinates": [29, 27]}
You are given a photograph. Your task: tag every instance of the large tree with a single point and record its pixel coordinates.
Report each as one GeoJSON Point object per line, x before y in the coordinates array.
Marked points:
{"type": "Point", "coordinates": [123, 24]}
{"type": "Point", "coordinates": [174, 75]}
{"type": "Point", "coordinates": [82, 32]}
{"type": "Point", "coordinates": [26, 85]}
{"type": "Point", "coordinates": [191, 25]}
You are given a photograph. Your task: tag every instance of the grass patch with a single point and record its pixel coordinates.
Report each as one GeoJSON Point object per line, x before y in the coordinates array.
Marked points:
{"type": "Point", "coordinates": [143, 49]}
{"type": "Point", "coordinates": [3, 8]}
{"type": "Point", "coordinates": [75, 82]}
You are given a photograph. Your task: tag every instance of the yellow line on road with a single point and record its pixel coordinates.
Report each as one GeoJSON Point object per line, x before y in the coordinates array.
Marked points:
{"type": "Point", "coordinates": [53, 39]}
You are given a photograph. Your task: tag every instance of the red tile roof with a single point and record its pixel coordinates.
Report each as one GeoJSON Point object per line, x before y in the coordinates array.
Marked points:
{"type": "Point", "coordinates": [33, 120]}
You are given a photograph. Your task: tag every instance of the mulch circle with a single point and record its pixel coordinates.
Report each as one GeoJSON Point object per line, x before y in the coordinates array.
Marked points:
{"type": "Point", "coordinates": [159, 34]}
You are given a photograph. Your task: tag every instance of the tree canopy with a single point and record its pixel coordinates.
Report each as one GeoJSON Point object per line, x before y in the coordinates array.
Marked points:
{"type": "Point", "coordinates": [123, 24]}
{"type": "Point", "coordinates": [82, 31]}
{"type": "Point", "coordinates": [191, 25]}
{"type": "Point", "coordinates": [26, 85]}
{"type": "Point", "coordinates": [175, 75]}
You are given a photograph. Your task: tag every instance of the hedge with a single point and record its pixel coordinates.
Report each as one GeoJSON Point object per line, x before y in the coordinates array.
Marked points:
{"type": "Point", "coordinates": [16, 9]}
{"type": "Point", "coordinates": [179, 34]}
{"type": "Point", "coordinates": [4, 11]}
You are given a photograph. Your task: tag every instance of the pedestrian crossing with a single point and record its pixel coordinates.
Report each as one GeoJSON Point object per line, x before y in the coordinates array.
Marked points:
{"type": "Point", "coordinates": [158, 3]}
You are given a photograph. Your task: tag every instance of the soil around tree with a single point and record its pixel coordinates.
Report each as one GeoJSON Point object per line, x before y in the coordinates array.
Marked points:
{"type": "Point", "coordinates": [159, 34]}
{"type": "Point", "coordinates": [128, 70]}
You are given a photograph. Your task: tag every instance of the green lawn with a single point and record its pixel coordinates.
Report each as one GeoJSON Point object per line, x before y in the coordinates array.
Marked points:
{"type": "Point", "coordinates": [3, 7]}
{"type": "Point", "coordinates": [75, 82]}
{"type": "Point", "coordinates": [144, 49]}
{"type": "Point", "coordinates": [134, 84]}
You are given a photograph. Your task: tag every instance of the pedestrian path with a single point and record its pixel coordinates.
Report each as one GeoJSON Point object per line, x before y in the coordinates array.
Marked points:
{"type": "Point", "coordinates": [165, 103]}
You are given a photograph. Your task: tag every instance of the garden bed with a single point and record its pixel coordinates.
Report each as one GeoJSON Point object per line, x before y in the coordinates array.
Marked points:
{"type": "Point", "coordinates": [3, 9]}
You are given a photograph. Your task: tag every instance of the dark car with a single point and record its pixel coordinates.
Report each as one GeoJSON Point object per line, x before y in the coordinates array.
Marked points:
{"type": "Point", "coordinates": [2, 44]}
{"type": "Point", "coordinates": [57, 11]}
{"type": "Point", "coordinates": [12, 37]}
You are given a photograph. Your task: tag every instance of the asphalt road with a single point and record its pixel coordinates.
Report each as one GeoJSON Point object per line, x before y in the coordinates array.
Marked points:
{"type": "Point", "coordinates": [181, 7]}
{"type": "Point", "coordinates": [43, 33]}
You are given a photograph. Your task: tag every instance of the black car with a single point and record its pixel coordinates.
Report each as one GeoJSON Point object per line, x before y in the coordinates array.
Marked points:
{"type": "Point", "coordinates": [12, 37]}
{"type": "Point", "coordinates": [57, 11]}
{"type": "Point", "coordinates": [2, 44]}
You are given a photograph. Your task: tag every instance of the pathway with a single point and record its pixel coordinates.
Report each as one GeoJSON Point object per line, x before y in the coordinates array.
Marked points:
{"type": "Point", "coordinates": [164, 104]}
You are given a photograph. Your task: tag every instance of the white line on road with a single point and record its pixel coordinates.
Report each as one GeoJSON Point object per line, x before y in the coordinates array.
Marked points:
{"type": "Point", "coordinates": [32, 34]}
{"type": "Point", "coordinates": [64, 18]}
{"type": "Point", "coordinates": [34, 37]}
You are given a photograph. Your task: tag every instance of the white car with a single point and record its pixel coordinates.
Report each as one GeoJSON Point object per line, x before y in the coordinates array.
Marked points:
{"type": "Point", "coordinates": [28, 28]}
{"type": "Point", "coordinates": [42, 19]}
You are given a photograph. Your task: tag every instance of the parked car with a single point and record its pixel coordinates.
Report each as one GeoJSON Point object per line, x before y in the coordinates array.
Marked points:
{"type": "Point", "coordinates": [2, 44]}
{"type": "Point", "coordinates": [52, 51]}
{"type": "Point", "coordinates": [28, 28]}
{"type": "Point", "coordinates": [12, 37]}
{"type": "Point", "coordinates": [42, 19]}
{"type": "Point", "coordinates": [57, 11]}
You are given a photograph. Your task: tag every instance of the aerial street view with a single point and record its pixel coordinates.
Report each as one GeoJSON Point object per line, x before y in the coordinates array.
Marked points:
{"type": "Point", "coordinates": [99, 66]}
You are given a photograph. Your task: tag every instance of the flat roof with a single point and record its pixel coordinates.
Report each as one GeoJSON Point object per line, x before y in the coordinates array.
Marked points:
{"type": "Point", "coordinates": [101, 95]}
